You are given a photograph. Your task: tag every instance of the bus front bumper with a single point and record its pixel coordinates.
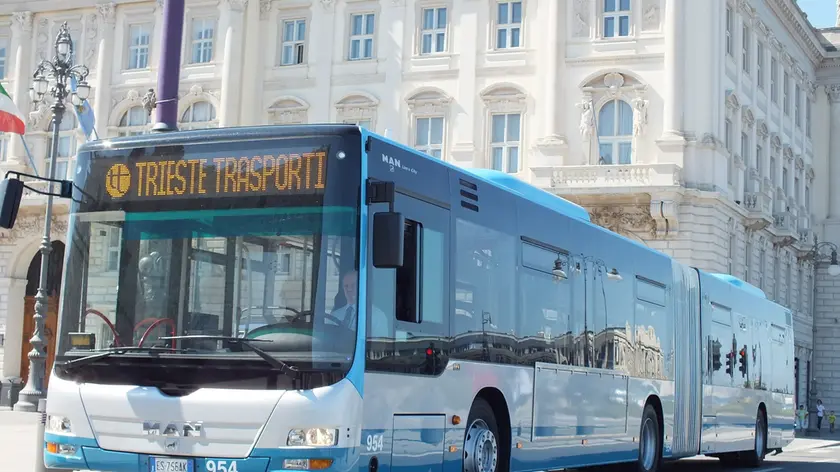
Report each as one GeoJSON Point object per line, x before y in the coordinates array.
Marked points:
{"type": "Point", "coordinates": [73, 453]}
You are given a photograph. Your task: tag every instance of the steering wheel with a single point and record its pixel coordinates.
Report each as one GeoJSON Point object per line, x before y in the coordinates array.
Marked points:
{"type": "Point", "coordinates": [91, 311]}
{"type": "Point", "coordinates": [337, 321]}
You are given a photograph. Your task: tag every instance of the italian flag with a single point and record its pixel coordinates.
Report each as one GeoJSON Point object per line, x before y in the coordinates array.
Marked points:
{"type": "Point", "coordinates": [11, 119]}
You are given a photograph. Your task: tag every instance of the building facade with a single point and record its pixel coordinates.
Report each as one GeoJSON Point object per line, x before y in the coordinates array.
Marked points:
{"type": "Point", "coordinates": [707, 130]}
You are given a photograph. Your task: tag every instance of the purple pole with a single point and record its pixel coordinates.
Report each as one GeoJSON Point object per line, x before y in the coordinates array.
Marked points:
{"type": "Point", "coordinates": [170, 67]}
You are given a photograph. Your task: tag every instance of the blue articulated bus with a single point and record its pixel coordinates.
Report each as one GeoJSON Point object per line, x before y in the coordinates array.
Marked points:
{"type": "Point", "coordinates": [320, 298]}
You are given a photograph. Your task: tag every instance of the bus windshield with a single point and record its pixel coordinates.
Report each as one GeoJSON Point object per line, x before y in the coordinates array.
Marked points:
{"type": "Point", "coordinates": [179, 277]}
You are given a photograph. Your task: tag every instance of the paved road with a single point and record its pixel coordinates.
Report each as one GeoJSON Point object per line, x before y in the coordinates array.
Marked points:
{"type": "Point", "coordinates": [18, 446]}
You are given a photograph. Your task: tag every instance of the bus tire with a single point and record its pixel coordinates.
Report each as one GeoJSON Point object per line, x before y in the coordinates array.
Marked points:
{"type": "Point", "coordinates": [755, 458]}
{"type": "Point", "coordinates": [650, 441]}
{"type": "Point", "coordinates": [481, 440]}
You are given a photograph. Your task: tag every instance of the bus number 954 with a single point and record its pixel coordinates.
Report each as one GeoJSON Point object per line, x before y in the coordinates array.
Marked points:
{"type": "Point", "coordinates": [220, 466]}
{"type": "Point", "coordinates": [374, 442]}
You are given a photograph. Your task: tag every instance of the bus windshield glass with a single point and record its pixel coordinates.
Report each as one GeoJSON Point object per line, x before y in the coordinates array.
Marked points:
{"type": "Point", "coordinates": [173, 250]}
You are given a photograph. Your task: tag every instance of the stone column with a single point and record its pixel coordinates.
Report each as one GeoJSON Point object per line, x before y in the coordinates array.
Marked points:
{"type": "Point", "coordinates": [104, 67]}
{"type": "Point", "coordinates": [550, 90]}
{"type": "Point", "coordinates": [391, 54]}
{"type": "Point", "coordinates": [673, 116]}
{"type": "Point", "coordinates": [466, 36]}
{"type": "Point", "coordinates": [256, 18]}
{"type": "Point", "coordinates": [834, 153]}
{"type": "Point", "coordinates": [231, 25]}
{"type": "Point", "coordinates": [21, 46]}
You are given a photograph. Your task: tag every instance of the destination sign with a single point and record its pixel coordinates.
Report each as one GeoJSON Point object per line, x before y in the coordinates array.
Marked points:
{"type": "Point", "coordinates": [214, 177]}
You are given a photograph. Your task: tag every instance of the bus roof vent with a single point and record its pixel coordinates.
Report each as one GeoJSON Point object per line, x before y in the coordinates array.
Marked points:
{"type": "Point", "coordinates": [534, 194]}
{"type": "Point", "coordinates": [747, 287]}
{"type": "Point", "coordinates": [469, 195]}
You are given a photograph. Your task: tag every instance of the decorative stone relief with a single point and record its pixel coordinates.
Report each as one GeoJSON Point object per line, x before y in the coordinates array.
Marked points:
{"type": "Point", "coordinates": [809, 174]}
{"type": "Point", "coordinates": [91, 31]}
{"type": "Point", "coordinates": [747, 117]}
{"type": "Point", "coordinates": [587, 117]}
{"type": "Point", "coordinates": [800, 164]}
{"type": "Point", "coordinates": [761, 129]}
{"type": "Point", "coordinates": [196, 89]}
{"type": "Point", "coordinates": [43, 38]}
{"type": "Point", "coordinates": [504, 100]}
{"type": "Point", "coordinates": [581, 18]}
{"type": "Point", "coordinates": [625, 219]}
{"type": "Point", "coordinates": [327, 4]}
{"type": "Point", "coordinates": [357, 108]}
{"type": "Point", "coordinates": [774, 42]}
{"type": "Point", "coordinates": [762, 27]}
{"type": "Point", "coordinates": [23, 20]}
{"type": "Point", "coordinates": [160, 4]}
{"type": "Point", "coordinates": [650, 21]}
{"type": "Point", "coordinates": [788, 58]}
{"type": "Point", "coordinates": [288, 111]}
{"type": "Point", "coordinates": [732, 102]}
{"type": "Point", "coordinates": [237, 5]}
{"type": "Point", "coordinates": [108, 13]}
{"type": "Point", "coordinates": [25, 228]}
{"type": "Point", "coordinates": [745, 6]}
{"type": "Point", "coordinates": [39, 118]}
{"type": "Point", "coordinates": [833, 92]}
{"type": "Point", "coordinates": [265, 9]}
{"type": "Point", "coordinates": [613, 81]}
{"type": "Point", "coordinates": [788, 153]}
{"type": "Point", "coordinates": [428, 103]}
{"type": "Point", "coordinates": [776, 142]}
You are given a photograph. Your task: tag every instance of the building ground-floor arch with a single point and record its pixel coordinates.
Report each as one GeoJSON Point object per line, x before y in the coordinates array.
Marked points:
{"type": "Point", "coordinates": [19, 278]}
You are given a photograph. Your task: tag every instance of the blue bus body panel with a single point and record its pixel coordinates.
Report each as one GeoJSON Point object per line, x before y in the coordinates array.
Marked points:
{"type": "Point", "coordinates": [531, 193]}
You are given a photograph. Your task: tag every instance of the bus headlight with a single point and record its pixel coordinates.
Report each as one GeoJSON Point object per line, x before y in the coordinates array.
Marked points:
{"type": "Point", "coordinates": [312, 437]}
{"type": "Point", "coordinates": [58, 424]}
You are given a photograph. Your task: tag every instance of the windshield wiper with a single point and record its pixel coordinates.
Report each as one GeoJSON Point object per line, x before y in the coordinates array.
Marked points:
{"type": "Point", "coordinates": [244, 342]}
{"type": "Point", "coordinates": [110, 352]}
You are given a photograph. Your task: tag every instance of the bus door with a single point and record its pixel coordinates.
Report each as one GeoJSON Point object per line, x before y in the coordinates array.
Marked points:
{"type": "Point", "coordinates": [410, 305]}
{"type": "Point", "coordinates": [721, 366]}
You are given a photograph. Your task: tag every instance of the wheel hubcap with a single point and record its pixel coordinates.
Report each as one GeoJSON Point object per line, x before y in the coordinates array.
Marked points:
{"type": "Point", "coordinates": [481, 451]}
{"type": "Point", "coordinates": [648, 446]}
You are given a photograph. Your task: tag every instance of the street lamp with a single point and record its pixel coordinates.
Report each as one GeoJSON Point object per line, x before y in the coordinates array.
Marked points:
{"type": "Point", "coordinates": [59, 70]}
{"type": "Point", "coordinates": [822, 252]}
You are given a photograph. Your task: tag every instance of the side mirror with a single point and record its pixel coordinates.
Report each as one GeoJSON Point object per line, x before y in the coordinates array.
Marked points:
{"type": "Point", "coordinates": [388, 240]}
{"type": "Point", "coordinates": [11, 192]}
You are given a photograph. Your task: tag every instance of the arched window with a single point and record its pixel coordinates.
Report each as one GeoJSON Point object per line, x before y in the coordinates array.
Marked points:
{"type": "Point", "coordinates": [67, 142]}
{"type": "Point", "coordinates": [134, 122]}
{"type": "Point", "coordinates": [198, 115]}
{"type": "Point", "coordinates": [615, 132]}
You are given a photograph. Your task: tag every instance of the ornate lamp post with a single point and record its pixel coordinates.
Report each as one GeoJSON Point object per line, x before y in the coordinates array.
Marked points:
{"type": "Point", "coordinates": [60, 70]}
{"type": "Point", "coordinates": [822, 252]}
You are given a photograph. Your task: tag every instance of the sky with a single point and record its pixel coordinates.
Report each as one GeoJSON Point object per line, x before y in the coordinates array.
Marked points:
{"type": "Point", "coordinates": [821, 13]}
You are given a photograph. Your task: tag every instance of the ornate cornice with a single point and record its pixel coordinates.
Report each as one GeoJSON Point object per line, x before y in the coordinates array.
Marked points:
{"type": "Point", "coordinates": [799, 28]}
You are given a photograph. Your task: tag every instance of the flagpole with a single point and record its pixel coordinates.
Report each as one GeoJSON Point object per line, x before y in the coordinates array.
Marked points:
{"type": "Point", "coordinates": [29, 156]}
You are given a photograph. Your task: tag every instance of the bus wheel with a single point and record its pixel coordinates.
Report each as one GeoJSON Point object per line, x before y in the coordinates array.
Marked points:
{"type": "Point", "coordinates": [481, 443]}
{"type": "Point", "coordinates": [650, 444]}
{"type": "Point", "coordinates": [755, 457]}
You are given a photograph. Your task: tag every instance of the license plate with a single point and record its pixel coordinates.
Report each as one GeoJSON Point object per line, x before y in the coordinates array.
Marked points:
{"type": "Point", "coordinates": [166, 464]}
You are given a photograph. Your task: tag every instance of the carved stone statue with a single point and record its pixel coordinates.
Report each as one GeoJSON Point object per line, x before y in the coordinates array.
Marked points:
{"type": "Point", "coordinates": [587, 117]}
{"type": "Point", "coordinates": [640, 117]}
